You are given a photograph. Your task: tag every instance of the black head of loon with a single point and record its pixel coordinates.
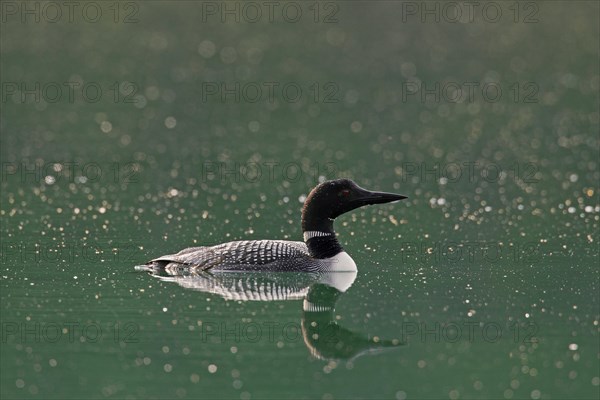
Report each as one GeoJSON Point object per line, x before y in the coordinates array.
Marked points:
{"type": "Point", "coordinates": [331, 199]}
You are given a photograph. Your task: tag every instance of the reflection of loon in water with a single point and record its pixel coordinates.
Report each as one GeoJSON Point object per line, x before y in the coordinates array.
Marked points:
{"type": "Point", "coordinates": [320, 251]}
{"type": "Point", "coordinates": [323, 336]}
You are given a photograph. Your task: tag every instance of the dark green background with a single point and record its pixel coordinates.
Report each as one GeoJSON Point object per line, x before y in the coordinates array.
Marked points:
{"type": "Point", "coordinates": [69, 245]}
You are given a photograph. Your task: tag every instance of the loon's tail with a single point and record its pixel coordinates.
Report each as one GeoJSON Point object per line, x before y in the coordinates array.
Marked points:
{"type": "Point", "coordinates": [145, 267]}
{"type": "Point", "coordinates": [152, 266]}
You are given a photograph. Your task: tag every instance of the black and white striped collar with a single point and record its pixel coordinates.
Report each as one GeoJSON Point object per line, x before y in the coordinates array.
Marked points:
{"type": "Point", "coordinates": [311, 234]}
{"type": "Point", "coordinates": [312, 307]}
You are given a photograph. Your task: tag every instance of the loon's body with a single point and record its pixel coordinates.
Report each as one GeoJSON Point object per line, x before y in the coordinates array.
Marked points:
{"type": "Point", "coordinates": [255, 255]}
{"type": "Point", "coordinates": [320, 251]}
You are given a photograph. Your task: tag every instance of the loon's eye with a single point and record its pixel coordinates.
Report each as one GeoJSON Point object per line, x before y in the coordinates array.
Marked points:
{"type": "Point", "coordinates": [345, 193]}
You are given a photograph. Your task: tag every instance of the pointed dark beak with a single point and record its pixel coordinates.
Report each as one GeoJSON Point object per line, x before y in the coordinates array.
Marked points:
{"type": "Point", "coordinates": [380, 197]}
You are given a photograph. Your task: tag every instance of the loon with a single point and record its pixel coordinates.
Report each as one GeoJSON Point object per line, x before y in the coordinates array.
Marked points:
{"type": "Point", "coordinates": [320, 251]}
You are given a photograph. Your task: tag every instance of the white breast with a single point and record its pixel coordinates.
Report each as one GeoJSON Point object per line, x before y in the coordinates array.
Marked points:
{"type": "Point", "coordinates": [341, 262]}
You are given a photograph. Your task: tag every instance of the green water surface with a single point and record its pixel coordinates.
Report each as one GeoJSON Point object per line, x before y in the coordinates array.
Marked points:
{"type": "Point", "coordinates": [483, 284]}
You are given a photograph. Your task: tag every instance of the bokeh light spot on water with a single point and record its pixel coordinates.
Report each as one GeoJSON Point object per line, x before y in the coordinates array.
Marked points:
{"type": "Point", "coordinates": [228, 55]}
{"type": "Point", "coordinates": [170, 122]}
{"type": "Point", "coordinates": [207, 48]}
{"type": "Point", "coordinates": [254, 126]}
{"type": "Point", "coordinates": [356, 126]}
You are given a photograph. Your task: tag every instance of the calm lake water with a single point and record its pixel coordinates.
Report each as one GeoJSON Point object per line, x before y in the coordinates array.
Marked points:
{"type": "Point", "coordinates": [132, 130]}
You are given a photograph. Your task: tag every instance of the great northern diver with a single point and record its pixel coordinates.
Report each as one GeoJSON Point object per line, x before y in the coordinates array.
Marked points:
{"type": "Point", "coordinates": [320, 251]}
